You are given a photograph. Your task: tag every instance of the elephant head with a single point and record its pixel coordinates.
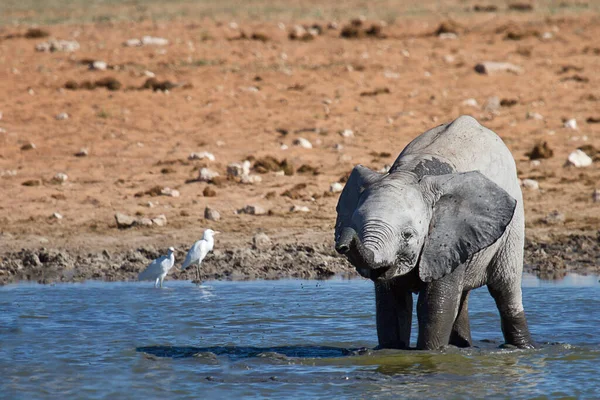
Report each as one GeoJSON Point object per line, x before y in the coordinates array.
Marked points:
{"type": "Point", "coordinates": [388, 224]}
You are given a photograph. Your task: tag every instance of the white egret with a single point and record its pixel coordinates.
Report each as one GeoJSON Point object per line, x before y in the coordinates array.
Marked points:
{"type": "Point", "coordinates": [158, 268]}
{"type": "Point", "coordinates": [199, 250]}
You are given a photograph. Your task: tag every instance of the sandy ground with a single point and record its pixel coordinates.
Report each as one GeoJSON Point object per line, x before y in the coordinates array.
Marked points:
{"type": "Point", "coordinates": [243, 98]}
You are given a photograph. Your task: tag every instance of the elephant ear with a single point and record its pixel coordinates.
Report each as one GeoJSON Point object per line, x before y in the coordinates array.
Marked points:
{"type": "Point", "coordinates": [360, 178]}
{"type": "Point", "coordinates": [471, 213]}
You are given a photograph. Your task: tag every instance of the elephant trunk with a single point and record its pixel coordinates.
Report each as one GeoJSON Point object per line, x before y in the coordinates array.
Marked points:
{"type": "Point", "coordinates": [350, 245]}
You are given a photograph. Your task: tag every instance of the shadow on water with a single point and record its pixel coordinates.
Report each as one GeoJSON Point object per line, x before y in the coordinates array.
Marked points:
{"type": "Point", "coordinates": [239, 352]}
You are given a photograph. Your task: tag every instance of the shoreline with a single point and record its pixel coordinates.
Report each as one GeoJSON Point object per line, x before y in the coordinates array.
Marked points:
{"type": "Point", "coordinates": [550, 259]}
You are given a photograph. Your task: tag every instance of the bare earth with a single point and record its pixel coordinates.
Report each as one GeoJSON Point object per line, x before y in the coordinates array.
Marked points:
{"type": "Point", "coordinates": [240, 98]}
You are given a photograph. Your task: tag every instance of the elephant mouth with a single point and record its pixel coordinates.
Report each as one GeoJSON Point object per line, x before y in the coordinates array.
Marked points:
{"type": "Point", "coordinates": [377, 274]}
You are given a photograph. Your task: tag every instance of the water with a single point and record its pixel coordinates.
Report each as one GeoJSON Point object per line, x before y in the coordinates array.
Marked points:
{"type": "Point", "coordinates": [280, 339]}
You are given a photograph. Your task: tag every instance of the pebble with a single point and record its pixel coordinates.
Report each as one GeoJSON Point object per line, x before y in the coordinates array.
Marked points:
{"type": "Point", "coordinates": [303, 209]}
{"type": "Point", "coordinates": [347, 133]}
{"type": "Point", "coordinates": [304, 143]}
{"type": "Point", "coordinates": [261, 241]}
{"type": "Point", "coordinates": [571, 124]}
{"type": "Point", "coordinates": [211, 214]}
{"type": "Point", "coordinates": [470, 102]}
{"type": "Point", "coordinates": [535, 163]}
{"type": "Point", "coordinates": [252, 210]}
{"type": "Point", "coordinates": [154, 41]}
{"type": "Point", "coordinates": [492, 104]}
{"type": "Point", "coordinates": [391, 75]}
{"type": "Point", "coordinates": [596, 196]}
{"type": "Point", "coordinates": [58, 45]}
{"type": "Point", "coordinates": [161, 220]}
{"type": "Point", "coordinates": [62, 116]}
{"type": "Point", "coordinates": [124, 221]}
{"type": "Point", "coordinates": [28, 146]}
{"type": "Point", "coordinates": [251, 179]}
{"type": "Point", "coordinates": [207, 175]}
{"type": "Point", "coordinates": [530, 184]}
{"type": "Point", "coordinates": [235, 170]}
{"type": "Point", "coordinates": [57, 216]}
{"type": "Point", "coordinates": [201, 155]}
{"type": "Point", "coordinates": [170, 192]}
{"type": "Point", "coordinates": [448, 36]}
{"type": "Point", "coordinates": [8, 172]}
{"type": "Point", "coordinates": [83, 152]}
{"type": "Point", "coordinates": [534, 115]}
{"type": "Point", "coordinates": [284, 147]}
{"type": "Point", "coordinates": [338, 147]}
{"type": "Point", "coordinates": [579, 159]}
{"type": "Point", "coordinates": [144, 222]}
{"type": "Point", "coordinates": [490, 67]}
{"type": "Point", "coordinates": [133, 43]}
{"type": "Point", "coordinates": [60, 177]}
{"type": "Point", "coordinates": [99, 65]}
{"type": "Point", "coordinates": [336, 187]}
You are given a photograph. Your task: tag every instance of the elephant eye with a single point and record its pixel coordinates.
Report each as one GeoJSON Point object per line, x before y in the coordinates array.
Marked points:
{"type": "Point", "coordinates": [407, 235]}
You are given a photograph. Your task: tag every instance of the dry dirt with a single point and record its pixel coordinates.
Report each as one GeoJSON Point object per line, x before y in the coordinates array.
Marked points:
{"type": "Point", "coordinates": [246, 91]}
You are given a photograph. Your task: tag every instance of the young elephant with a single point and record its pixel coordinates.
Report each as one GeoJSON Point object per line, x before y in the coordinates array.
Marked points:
{"type": "Point", "coordinates": [447, 218]}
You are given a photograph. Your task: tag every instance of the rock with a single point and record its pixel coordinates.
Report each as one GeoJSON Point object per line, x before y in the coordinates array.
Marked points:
{"type": "Point", "coordinates": [246, 167]}
{"type": "Point", "coordinates": [492, 104]}
{"type": "Point", "coordinates": [261, 241]}
{"type": "Point", "coordinates": [32, 182]}
{"type": "Point", "coordinates": [579, 159]}
{"type": "Point", "coordinates": [62, 116]}
{"type": "Point", "coordinates": [251, 179]}
{"type": "Point", "coordinates": [304, 143]}
{"type": "Point", "coordinates": [58, 45]}
{"type": "Point", "coordinates": [540, 151]}
{"type": "Point", "coordinates": [571, 124]}
{"type": "Point", "coordinates": [336, 187]}
{"type": "Point", "coordinates": [201, 156]}
{"type": "Point", "coordinates": [124, 221]}
{"type": "Point", "coordinates": [298, 32]}
{"type": "Point", "coordinates": [555, 218]}
{"type": "Point", "coordinates": [530, 184]}
{"type": "Point", "coordinates": [596, 196]}
{"type": "Point", "coordinates": [535, 163]}
{"type": "Point", "coordinates": [60, 178]}
{"type": "Point", "coordinates": [302, 209]}
{"type": "Point", "coordinates": [133, 43]}
{"type": "Point", "coordinates": [534, 115]}
{"type": "Point", "coordinates": [161, 220]}
{"type": "Point", "coordinates": [347, 133]}
{"type": "Point", "coordinates": [144, 222]}
{"type": "Point", "coordinates": [209, 192]}
{"type": "Point", "coordinates": [170, 192]}
{"type": "Point", "coordinates": [28, 146]}
{"type": "Point", "coordinates": [234, 170]}
{"type": "Point", "coordinates": [99, 66]}
{"type": "Point", "coordinates": [491, 67]}
{"type": "Point", "coordinates": [207, 175]}
{"type": "Point", "coordinates": [252, 210]}
{"type": "Point", "coordinates": [83, 152]}
{"type": "Point", "coordinates": [154, 41]}
{"type": "Point", "coordinates": [211, 214]}
{"type": "Point", "coordinates": [471, 103]}
{"type": "Point", "coordinates": [57, 216]}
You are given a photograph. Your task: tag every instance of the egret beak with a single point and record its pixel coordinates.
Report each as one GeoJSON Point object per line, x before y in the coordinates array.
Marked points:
{"type": "Point", "coordinates": [217, 232]}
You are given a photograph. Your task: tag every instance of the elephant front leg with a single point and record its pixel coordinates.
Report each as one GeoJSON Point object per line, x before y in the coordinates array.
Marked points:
{"type": "Point", "coordinates": [437, 309]}
{"type": "Point", "coordinates": [510, 304]}
{"type": "Point", "coordinates": [394, 315]}
{"type": "Point", "coordinates": [461, 331]}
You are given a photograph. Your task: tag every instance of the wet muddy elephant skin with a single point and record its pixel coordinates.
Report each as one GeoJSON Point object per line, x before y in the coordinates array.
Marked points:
{"type": "Point", "coordinates": [447, 218]}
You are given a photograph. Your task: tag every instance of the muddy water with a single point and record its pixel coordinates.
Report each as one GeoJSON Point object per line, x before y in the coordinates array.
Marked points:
{"type": "Point", "coordinates": [280, 339]}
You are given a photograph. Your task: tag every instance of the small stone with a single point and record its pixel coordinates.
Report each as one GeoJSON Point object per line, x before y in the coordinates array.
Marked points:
{"type": "Point", "coordinates": [491, 67]}
{"type": "Point", "coordinates": [448, 36]}
{"type": "Point", "coordinates": [58, 45]}
{"type": "Point", "coordinates": [246, 167]}
{"type": "Point", "coordinates": [144, 222]}
{"type": "Point", "coordinates": [338, 147]}
{"type": "Point", "coordinates": [211, 214]}
{"type": "Point", "coordinates": [449, 59]}
{"type": "Point", "coordinates": [391, 75]}
{"type": "Point", "coordinates": [336, 187]}
{"type": "Point", "coordinates": [530, 184]}
{"type": "Point", "coordinates": [207, 175]}
{"type": "Point", "coordinates": [209, 192]}
{"type": "Point", "coordinates": [555, 218]}
{"type": "Point", "coordinates": [202, 155]}
{"type": "Point", "coordinates": [284, 147]}
{"type": "Point", "coordinates": [471, 103]}
{"type": "Point", "coordinates": [579, 159]}
{"type": "Point", "coordinates": [170, 192]}
{"type": "Point", "coordinates": [261, 241]}
{"type": "Point", "coordinates": [235, 170]}
{"type": "Point", "coordinates": [492, 104]}
{"type": "Point", "coordinates": [149, 74]}
{"type": "Point", "coordinates": [571, 124]}
{"type": "Point", "coordinates": [252, 210]}
{"type": "Point", "coordinates": [534, 115]}
{"type": "Point", "coordinates": [304, 143]}
{"type": "Point", "coordinates": [150, 204]}
{"type": "Point", "coordinates": [596, 196]}
{"type": "Point", "coordinates": [540, 150]}
{"type": "Point", "coordinates": [57, 216]}
{"type": "Point", "coordinates": [302, 209]}
{"type": "Point", "coordinates": [83, 152]}
{"type": "Point", "coordinates": [99, 65]}
{"type": "Point", "coordinates": [161, 220]}
{"type": "Point", "coordinates": [60, 178]}
{"type": "Point", "coordinates": [133, 43]}
{"type": "Point", "coordinates": [62, 116]}
{"type": "Point", "coordinates": [347, 133]}
{"type": "Point", "coordinates": [28, 146]}
{"type": "Point", "coordinates": [535, 163]}
{"type": "Point", "coordinates": [251, 179]}
{"type": "Point", "coordinates": [154, 41]}
{"type": "Point", "coordinates": [124, 221]}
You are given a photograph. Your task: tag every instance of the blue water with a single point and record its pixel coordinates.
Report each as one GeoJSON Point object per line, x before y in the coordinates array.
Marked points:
{"type": "Point", "coordinates": [280, 339]}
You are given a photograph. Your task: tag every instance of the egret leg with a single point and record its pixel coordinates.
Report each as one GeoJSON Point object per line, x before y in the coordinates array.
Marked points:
{"type": "Point", "coordinates": [198, 273]}
{"type": "Point", "coordinates": [161, 281]}
{"type": "Point", "coordinates": [156, 283]}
